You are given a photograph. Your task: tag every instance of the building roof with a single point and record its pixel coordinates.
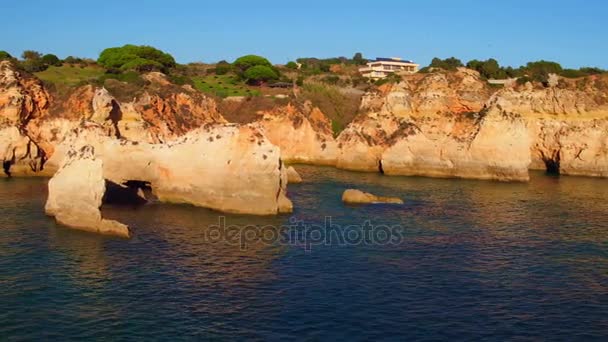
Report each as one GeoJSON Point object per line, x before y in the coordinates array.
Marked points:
{"type": "Point", "coordinates": [393, 59]}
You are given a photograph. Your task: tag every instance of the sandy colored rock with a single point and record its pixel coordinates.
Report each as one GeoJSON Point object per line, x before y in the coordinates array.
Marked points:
{"type": "Point", "coordinates": [451, 125]}
{"type": "Point", "coordinates": [76, 192]}
{"type": "Point", "coordinates": [293, 176]}
{"type": "Point", "coordinates": [353, 196]}
{"type": "Point", "coordinates": [230, 168]}
{"type": "Point", "coordinates": [304, 135]}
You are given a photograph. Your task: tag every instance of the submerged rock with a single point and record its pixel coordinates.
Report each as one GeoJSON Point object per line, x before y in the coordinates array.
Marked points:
{"type": "Point", "coordinates": [75, 194]}
{"type": "Point", "coordinates": [354, 196]}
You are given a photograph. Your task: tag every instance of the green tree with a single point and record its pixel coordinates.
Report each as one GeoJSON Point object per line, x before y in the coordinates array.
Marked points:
{"type": "Point", "coordinates": [31, 54]}
{"type": "Point", "coordinates": [291, 65]}
{"type": "Point", "coordinates": [260, 73]}
{"type": "Point", "coordinates": [34, 65]}
{"type": "Point", "coordinates": [487, 69]}
{"type": "Point", "coordinates": [358, 59]}
{"type": "Point", "coordinates": [5, 55]}
{"type": "Point", "coordinates": [245, 62]}
{"type": "Point", "coordinates": [50, 59]}
{"type": "Point", "coordinates": [133, 57]}
{"type": "Point", "coordinates": [540, 70]}
{"type": "Point", "coordinates": [448, 64]}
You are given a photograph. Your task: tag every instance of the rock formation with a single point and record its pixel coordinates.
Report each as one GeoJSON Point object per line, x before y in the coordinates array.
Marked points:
{"type": "Point", "coordinates": [76, 191]}
{"type": "Point", "coordinates": [304, 135]}
{"type": "Point", "coordinates": [293, 176]}
{"type": "Point", "coordinates": [450, 125]}
{"type": "Point", "coordinates": [229, 168]}
{"type": "Point", "coordinates": [168, 136]}
{"type": "Point", "coordinates": [353, 196]}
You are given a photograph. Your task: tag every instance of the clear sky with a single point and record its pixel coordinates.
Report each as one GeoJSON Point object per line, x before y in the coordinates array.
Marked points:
{"type": "Point", "coordinates": [574, 33]}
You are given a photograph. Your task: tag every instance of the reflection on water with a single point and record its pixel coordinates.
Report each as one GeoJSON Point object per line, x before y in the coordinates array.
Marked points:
{"type": "Point", "coordinates": [478, 259]}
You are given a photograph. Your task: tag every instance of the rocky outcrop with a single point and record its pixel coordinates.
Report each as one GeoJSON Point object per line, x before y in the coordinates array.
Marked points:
{"type": "Point", "coordinates": [436, 126]}
{"type": "Point", "coordinates": [450, 125]}
{"type": "Point", "coordinates": [303, 134]}
{"type": "Point", "coordinates": [22, 99]}
{"type": "Point", "coordinates": [293, 176]}
{"type": "Point", "coordinates": [75, 194]}
{"type": "Point", "coordinates": [167, 137]}
{"type": "Point", "coordinates": [229, 168]}
{"type": "Point", "coordinates": [354, 196]}
{"type": "Point", "coordinates": [567, 124]}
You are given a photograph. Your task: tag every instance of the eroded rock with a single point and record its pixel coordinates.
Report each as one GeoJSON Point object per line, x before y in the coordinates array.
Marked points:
{"type": "Point", "coordinates": [76, 191]}
{"type": "Point", "coordinates": [353, 196]}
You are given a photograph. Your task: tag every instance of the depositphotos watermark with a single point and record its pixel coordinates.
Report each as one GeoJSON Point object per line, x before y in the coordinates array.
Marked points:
{"type": "Point", "coordinates": [299, 233]}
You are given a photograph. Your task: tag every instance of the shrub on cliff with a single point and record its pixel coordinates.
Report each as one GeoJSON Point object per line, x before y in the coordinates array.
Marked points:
{"type": "Point", "coordinates": [447, 64]}
{"type": "Point", "coordinates": [488, 69]}
{"type": "Point", "coordinates": [5, 55]}
{"type": "Point", "coordinates": [50, 59]}
{"type": "Point", "coordinates": [291, 65]}
{"type": "Point", "coordinates": [539, 71]}
{"type": "Point", "coordinates": [133, 57]}
{"type": "Point", "coordinates": [222, 68]}
{"type": "Point", "coordinates": [260, 73]}
{"type": "Point", "coordinates": [30, 55]}
{"type": "Point", "coordinates": [34, 65]}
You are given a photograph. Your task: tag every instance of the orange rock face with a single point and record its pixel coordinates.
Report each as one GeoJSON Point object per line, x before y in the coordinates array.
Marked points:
{"type": "Point", "coordinates": [303, 134]}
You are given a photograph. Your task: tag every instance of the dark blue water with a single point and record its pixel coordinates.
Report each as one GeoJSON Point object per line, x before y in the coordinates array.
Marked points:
{"type": "Point", "coordinates": [469, 260]}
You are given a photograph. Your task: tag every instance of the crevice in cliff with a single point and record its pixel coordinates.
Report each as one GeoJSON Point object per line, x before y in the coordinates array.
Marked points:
{"type": "Point", "coordinates": [6, 166]}
{"type": "Point", "coordinates": [380, 169]}
{"type": "Point", "coordinates": [552, 163]}
{"type": "Point", "coordinates": [115, 117]}
{"type": "Point", "coordinates": [280, 179]}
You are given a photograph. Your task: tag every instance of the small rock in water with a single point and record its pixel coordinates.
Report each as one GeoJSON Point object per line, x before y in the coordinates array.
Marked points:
{"type": "Point", "coordinates": [293, 176]}
{"type": "Point", "coordinates": [359, 197]}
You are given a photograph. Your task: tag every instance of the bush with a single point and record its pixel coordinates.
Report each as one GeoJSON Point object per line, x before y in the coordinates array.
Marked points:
{"type": "Point", "coordinates": [130, 77]}
{"type": "Point", "coordinates": [487, 69]}
{"type": "Point", "coordinates": [331, 79]}
{"type": "Point", "coordinates": [300, 81]}
{"type": "Point", "coordinates": [132, 57]}
{"type": "Point", "coordinates": [50, 59]}
{"type": "Point", "coordinates": [34, 65]}
{"type": "Point", "coordinates": [291, 65]}
{"type": "Point", "coordinates": [5, 55]}
{"type": "Point", "coordinates": [179, 79]}
{"type": "Point", "coordinates": [222, 68]}
{"type": "Point", "coordinates": [73, 60]}
{"type": "Point", "coordinates": [260, 73]}
{"type": "Point", "coordinates": [31, 54]}
{"type": "Point", "coordinates": [540, 70]}
{"type": "Point", "coordinates": [448, 64]}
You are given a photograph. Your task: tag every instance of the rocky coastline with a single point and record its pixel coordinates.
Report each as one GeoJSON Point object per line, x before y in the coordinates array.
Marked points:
{"type": "Point", "coordinates": [174, 141]}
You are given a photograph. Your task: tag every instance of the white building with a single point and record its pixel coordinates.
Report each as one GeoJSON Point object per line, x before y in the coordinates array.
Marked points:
{"type": "Point", "coordinates": [382, 67]}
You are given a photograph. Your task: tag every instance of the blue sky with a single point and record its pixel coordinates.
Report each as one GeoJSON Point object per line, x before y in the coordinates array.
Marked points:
{"type": "Point", "coordinates": [573, 33]}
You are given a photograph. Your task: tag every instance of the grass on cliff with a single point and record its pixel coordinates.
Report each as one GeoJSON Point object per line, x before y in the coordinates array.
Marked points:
{"type": "Point", "coordinates": [223, 86]}
{"type": "Point", "coordinates": [70, 75]}
{"type": "Point", "coordinates": [338, 105]}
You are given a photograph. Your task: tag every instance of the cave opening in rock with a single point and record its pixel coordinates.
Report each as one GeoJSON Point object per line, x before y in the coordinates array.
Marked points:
{"type": "Point", "coordinates": [132, 192]}
{"type": "Point", "coordinates": [6, 166]}
{"type": "Point", "coordinates": [552, 165]}
{"type": "Point", "coordinates": [380, 169]}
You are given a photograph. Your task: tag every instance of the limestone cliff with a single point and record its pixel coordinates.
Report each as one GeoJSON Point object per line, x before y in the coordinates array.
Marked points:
{"type": "Point", "coordinates": [304, 135]}
{"type": "Point", "coordinates": [451, 125]}
{"type": "Point", "coordinates": [169, 137]}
